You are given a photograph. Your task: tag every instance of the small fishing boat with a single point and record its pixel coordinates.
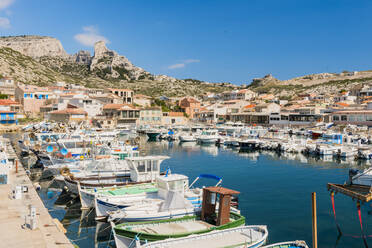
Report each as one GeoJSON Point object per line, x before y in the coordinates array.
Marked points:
{"type": "Point", "coordinates": [238, 237]}
{"type": "Point", "coordinates": [153, 134]}
{"type": "Point", "coordinates": [361, 177]}
{"type": "Point", "coordinates": [289, 244]}
{"type": "Point", "coordinates": [130, 192]}
{"type": "Point", "coordinates": [174, 198]}
{"type": "Point", "coordinates": [130, 233]}
{"type": "Point", "coordinates": [187, 137]}
{"type": "Point", "coordinates": [141, 170]}
{"type": "Point", "coordinates": [208, 137]}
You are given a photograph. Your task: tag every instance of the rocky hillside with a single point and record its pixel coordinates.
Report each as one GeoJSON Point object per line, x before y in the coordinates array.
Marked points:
{"type": "Point", "coordinates": [34, 46]}
{"type": "Point", "coordinates": [43, 61]}
{"type": "Point", "coordinates": [314, 83]}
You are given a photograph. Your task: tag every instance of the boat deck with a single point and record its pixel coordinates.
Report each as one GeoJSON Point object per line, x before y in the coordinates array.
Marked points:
{"type": "Point", "coordinates": [129, 190]}
{"type": "Point", "coordinates": [209, 240]}
{"type": "Point", "coordinates": [174, 227]}
{"type": "Point", "coordinates": [360, 192]}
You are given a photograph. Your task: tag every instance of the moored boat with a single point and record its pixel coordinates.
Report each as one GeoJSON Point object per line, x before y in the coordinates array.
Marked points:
{"type": "Point", "coordinates": [289, 244]}
{"type": "Point", "coordinates": [127, 234]}
{"type": "Point", "coordinates": [238, 237]}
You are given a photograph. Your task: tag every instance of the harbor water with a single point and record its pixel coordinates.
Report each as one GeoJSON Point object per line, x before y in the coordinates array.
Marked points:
{"type": "Point", "coordinates": [275, 191]}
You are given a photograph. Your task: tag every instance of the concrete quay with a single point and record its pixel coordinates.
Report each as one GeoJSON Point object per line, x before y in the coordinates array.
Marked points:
{"type": "Point", "coordinates": [49, 232]}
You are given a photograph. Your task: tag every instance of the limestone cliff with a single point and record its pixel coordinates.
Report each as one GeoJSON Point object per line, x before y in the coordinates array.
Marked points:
{"type": "Point", "coordinates": [34, 46]}
{"type": "Point", "coordinates": [107, 63]}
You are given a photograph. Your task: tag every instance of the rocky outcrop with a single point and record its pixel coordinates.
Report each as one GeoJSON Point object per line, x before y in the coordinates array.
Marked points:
{"type": "Point", "coordinates": [82, 57]}
{"type": "Point", "coordinates": [34, 46]}
{"type": "Point", "coordinates": [165, 78]}
{"type": "Point", "coordinates": [109, 64]}
{"type": "Point", "coordinates": [268, 79]}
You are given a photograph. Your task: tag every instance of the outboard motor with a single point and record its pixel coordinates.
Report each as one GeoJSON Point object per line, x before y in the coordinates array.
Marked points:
{"type": "Point", "coordinates": [352, 173]}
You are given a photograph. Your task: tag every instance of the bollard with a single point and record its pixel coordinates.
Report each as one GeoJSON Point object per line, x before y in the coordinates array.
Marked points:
{"type": "Point", "coordinates": [32, 217]}
{"type": "Point", "coordinates": [18, 192]}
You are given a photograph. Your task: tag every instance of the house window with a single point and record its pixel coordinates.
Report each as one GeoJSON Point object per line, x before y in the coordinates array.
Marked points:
{"type": "Point", "coordinates": [343, 118]}
{"type": "Point", "coordinates": [137, 114]}
{"type": "Point", "coordinates": [336, 118]}
{"type": "Point", "coordinates": [131, 114]}
{"type": "Point", "coordinates": [125, 114]}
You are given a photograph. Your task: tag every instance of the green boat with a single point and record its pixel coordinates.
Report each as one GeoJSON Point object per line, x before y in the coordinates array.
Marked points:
{"type": "Point", "coordinates": [210, 219]}
{"type": "Point", "coordinates": [138, 190]}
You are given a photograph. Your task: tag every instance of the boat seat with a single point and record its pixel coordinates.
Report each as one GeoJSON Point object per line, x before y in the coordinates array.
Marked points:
{"type": "Point", "coordinates": [148, 230]}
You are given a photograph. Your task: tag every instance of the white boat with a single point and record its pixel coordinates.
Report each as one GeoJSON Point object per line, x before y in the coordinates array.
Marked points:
{"type": "Point", "coordinates": [209, 136]}
{"type": "Point", "coordinates": [141, 170]}
{"type": "Point", "coordinates": [174, 198]}
{"type": "Point", "coordinates": [361, 177]}
{"type": "Point", "coordinates": [288, 244]}
{"type": "Point", "coordinates": [238, 237]}
{"type": "Point", "coordinates": [211, 219]}
{"type": "Point", "coordinates": [187, 137]}
{"type": "Point", "coordinates": [346, 151]}
{"type": "Point", "coordinates": [130, 192]}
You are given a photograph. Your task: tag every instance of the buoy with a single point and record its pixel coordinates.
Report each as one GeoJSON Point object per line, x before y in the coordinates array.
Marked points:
{"type": "Point", "coordinates": [50, 194]}
{"type": "Point", "coordinates": [64, 151]}
{"type": "Point", "coordinates": [65, 171]}
{"type": "Point", "coordinates": [37, 186]}
{"type": "Point", "coordinates": [50, 149]}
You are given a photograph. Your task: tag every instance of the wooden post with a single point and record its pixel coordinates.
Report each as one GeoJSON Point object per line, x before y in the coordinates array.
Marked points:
{"type": "Point", "coordinates": [16, 164]}
{"type": "Point", "coordinates": [315, 231]}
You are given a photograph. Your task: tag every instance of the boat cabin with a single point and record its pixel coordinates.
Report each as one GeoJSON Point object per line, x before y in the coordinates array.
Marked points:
{"type": "Point", "coordinates": [213, 196]}
{"type": "Point", "coordinates": [209, 132]}
{"type": "Point", "coordinates": [145, 168]}
{"type": "Point", "coordinates": [174, 182]}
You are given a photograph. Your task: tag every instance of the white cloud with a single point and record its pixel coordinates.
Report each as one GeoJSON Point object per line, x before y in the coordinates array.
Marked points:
{"type": "Point", "coordinates": [5, 4]}
{"type": "Point", "coordinates": [183, 64]}
{"type": "Point", "coordinates": [175, 66]}
{"type": "Point", "coordinates": [188, 61]}
{"type": "Point", "coordinates": [90, 36]}
{"type": "Point", "coordinates": [4, 22]}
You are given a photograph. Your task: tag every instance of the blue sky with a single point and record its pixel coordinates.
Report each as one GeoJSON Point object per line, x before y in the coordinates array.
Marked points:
{"type": "Point", "coordinates": [218, 41]}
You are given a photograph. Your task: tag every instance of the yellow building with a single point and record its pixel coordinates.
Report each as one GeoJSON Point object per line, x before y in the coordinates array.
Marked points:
{"type": "Point", "coordinates": [151, 116]}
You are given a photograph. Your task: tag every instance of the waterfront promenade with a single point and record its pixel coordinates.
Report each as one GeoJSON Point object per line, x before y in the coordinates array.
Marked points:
{"type": "Point", "coordinates": [13, 233]}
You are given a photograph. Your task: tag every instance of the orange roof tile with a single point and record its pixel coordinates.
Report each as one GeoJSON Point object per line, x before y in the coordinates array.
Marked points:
{"type": "Point", "coordinates": [113, 106]}
{"type": "Point", "coordinates": [342, 104]}
{"type": "Point", "coordinates": [250, 106]}
{"type": "Point", "coordinates": [8, 102]}
{"type": "Point", "coordinates": [175, 114]}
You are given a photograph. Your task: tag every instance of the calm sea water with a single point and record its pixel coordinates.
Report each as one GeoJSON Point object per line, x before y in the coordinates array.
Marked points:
{"type": "Point", "coordinates": [275, 191]}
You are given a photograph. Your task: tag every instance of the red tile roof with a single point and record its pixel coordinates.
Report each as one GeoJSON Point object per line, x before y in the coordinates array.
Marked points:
{"type": "Point", "coordinates": [8, 102]}
{"type": "Point", "coordinates": [113, 106]}
{"type": "Point", "coordinates": [342, 104]}
{"type": "Point", "coordinates": [175, 114]}
{"type": "Point", "coordinates": [250, 106]}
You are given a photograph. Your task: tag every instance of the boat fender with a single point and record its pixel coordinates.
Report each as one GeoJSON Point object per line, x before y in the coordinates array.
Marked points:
{"type": "Point", "coordinates": [37, 186]}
